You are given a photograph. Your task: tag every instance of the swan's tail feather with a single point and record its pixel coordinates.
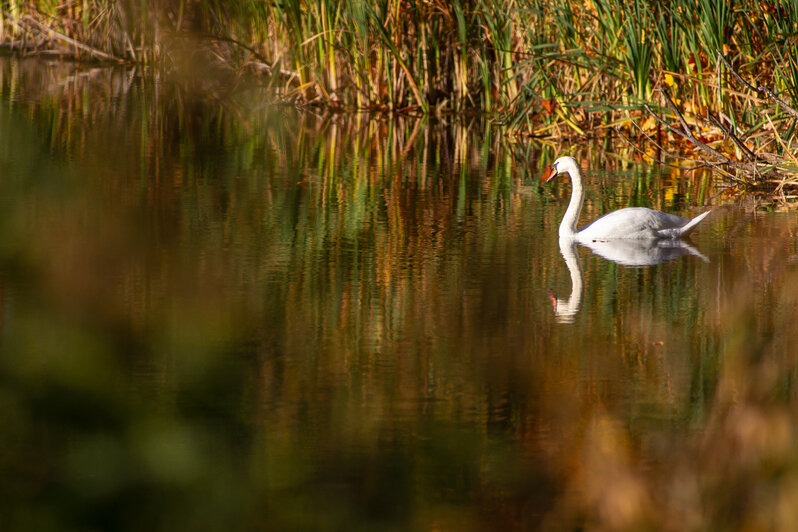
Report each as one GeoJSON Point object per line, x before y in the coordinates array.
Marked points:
{"type": "Point", "coordinates": [687, 229]}
{"type": "Point", "coordinates": [684, 230]}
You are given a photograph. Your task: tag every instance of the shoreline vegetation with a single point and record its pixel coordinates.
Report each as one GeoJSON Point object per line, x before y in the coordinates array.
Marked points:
{"type": "Point", "coordinates": [691, 83]}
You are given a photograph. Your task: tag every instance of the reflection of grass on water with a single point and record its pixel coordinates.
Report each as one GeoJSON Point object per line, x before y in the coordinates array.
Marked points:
{"type": "Point", "coordinates": [343, 324]}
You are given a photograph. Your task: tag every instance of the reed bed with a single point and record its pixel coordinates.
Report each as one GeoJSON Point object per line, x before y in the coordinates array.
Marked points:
{"type": "Point", "coordinates": [541, 68]}
{"type": "Point", "coordinates": [526, 58]}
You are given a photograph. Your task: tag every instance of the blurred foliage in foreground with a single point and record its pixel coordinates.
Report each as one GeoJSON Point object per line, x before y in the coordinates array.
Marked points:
{"type": "Point", "coordinates": [230, 317]}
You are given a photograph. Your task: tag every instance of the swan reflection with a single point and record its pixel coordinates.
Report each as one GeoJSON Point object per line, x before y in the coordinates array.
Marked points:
{"type": "Point", "coordinates": [640, 252]}
{"type": "Point", "coordinates": [627, 252]}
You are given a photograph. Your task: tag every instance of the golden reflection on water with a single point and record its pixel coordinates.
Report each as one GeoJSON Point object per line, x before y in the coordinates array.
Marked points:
{"type": "Point", "coordinates": [214, 313]}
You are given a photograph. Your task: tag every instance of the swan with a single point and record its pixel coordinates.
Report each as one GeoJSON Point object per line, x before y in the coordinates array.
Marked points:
{"type": "Point", "coordinates": [631, 222]}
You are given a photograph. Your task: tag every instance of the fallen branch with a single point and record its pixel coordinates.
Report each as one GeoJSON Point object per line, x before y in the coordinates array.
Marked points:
{"type": "Point", "coordinates": [759, 89]}
{"type": "Point", "coordinates": [689, 133]}
{"type": "Point", "coordinates": [762, 167]}
{"type": "Point", "coordinates": [36, 27]}
{"type": "Point", "coordinates": [730, 134]}
{"type": "Point", "coordinates": [660, 160]}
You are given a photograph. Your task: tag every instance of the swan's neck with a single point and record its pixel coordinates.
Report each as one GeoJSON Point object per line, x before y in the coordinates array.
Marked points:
{"type": "Point", "coordinates": [571, 217]}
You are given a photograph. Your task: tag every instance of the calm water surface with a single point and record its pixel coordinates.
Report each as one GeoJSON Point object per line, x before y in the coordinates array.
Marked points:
{"type": "Point", "coordinates": [233, 315]}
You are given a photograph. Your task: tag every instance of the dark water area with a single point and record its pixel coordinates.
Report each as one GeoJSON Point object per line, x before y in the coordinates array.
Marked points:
{"type": "Point", "coordinates": [230, 314]}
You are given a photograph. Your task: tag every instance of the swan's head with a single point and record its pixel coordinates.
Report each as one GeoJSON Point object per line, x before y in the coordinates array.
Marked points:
{"type": "Point", "coordinates": [563, 165]}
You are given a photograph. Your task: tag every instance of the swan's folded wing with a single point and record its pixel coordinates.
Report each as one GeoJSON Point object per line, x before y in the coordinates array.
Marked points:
{"type": "Point", "coordinates": [632, 223]}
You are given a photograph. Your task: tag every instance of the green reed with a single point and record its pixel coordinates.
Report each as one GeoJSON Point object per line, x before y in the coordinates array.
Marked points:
{"type": "Point", "coordinates": [639, 49]}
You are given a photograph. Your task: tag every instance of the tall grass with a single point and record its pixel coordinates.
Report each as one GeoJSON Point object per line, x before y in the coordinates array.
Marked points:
{"type": "Point", "coordinates": [547, 67]}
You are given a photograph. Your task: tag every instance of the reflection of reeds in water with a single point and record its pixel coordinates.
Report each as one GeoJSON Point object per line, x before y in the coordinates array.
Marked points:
{"type": "Point", "coordinates": [306, 308]}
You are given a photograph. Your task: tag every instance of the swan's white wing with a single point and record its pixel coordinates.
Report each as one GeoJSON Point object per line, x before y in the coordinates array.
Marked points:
{"type": "Point", "coordinates": [633, 223]}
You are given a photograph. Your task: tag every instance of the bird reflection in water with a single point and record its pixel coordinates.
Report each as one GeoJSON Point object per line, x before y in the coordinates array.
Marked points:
{"type": "Point", "coordinates": [627, 252]}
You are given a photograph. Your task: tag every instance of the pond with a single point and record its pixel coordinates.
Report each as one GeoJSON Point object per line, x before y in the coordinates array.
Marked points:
{"type": "Point", "coordinates": [231, 314]}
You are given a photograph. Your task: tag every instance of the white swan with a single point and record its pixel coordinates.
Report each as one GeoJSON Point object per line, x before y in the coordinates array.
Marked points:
{"type": "Point", "coordinates": [632, 222]}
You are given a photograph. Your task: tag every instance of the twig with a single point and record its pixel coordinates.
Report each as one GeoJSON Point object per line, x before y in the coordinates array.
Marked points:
{"type": "Point", "coordinates": [751, 155]}
{"type": "Point", "coordinates": [703, 164]}
{"type": "Point", "coordinates": [223, 38]}
{"type": "Point", "coordinates": [663, 123]}
{"type": "Point", "coordinates": [784, 148]}
{"type": "Point", "coordinates": [726, 62]}
{"type": "Point", "coordinates": [641, 152]}
{"type": "Point", "coordinates": [692, 138]}
{"type": "Point", "coordinates": [666, 152]}
{"type": "Point", "coordinates": [729, 133]}
{"type": "Point", "coordinates": [45, 30]}
{"type": "Point", "coordinates": [687, 134]}
{"type": "Point", "coordinates": [759, 89]}
{"type": "Point", "coordinates": [778, 100]}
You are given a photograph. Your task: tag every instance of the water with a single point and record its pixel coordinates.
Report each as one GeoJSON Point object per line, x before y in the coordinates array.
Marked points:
{"type": "Point", "coordinates": [233, 315]}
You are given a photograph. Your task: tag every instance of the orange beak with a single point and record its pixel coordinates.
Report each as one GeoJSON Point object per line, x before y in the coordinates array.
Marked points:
{"type": "Point", "coordinates": [549, 173]}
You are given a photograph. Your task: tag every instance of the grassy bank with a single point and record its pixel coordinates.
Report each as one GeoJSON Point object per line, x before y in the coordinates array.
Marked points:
{"type": "Point", "coordinates": [543, 68]}
{"type": "Point", "coordinates": [525, 57]}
